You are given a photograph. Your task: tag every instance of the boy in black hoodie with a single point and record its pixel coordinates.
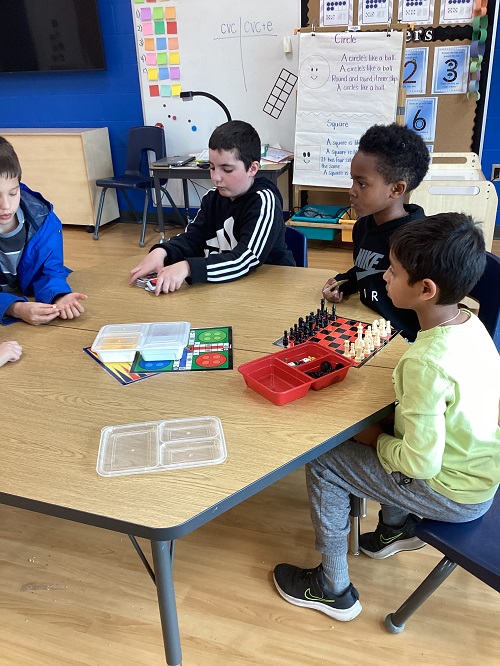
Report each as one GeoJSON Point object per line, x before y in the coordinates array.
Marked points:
{"type": "Point", "coordinates": [391, 162]}
{"type": "Point", "coordinates": [239, 225]}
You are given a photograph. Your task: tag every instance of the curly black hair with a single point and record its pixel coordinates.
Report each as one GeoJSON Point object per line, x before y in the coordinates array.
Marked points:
{"type": "Point", "coordinates": [400, 153]}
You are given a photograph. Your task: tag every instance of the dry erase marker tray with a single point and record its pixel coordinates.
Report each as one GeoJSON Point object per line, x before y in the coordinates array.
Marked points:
{"type": "Point", "coordinates": [156, 446]}
{"type": "Point", "coordinates": [159, 341]}
{"type": "Point", "coordinates": [289, 374]}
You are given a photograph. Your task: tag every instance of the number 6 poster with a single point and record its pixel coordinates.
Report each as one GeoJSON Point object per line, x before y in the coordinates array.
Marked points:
{"type": "Point", "coordinates": [420, 116]}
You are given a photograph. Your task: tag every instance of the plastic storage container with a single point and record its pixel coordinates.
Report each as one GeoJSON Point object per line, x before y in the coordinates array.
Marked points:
{"type": "Point", "coordinates": [278, 378]}
{"type": "Point", "coordinates": [155, 446]}
{"type": "Point", "coordinates": [159, 341]}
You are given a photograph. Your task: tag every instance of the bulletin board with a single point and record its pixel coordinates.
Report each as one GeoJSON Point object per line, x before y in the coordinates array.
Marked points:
{"type": "Point", "coordinates": [243, 52]}
{"type": "Point", "coordinates": [457, 115]}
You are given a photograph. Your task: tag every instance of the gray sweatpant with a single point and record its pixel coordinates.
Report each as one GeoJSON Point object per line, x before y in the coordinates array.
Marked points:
{"type": "Point", "coordinates": [354, 468]}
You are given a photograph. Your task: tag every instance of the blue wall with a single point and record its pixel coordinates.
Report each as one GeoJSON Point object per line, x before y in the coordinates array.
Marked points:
{"type": "Point", "coordinates": [84, 99]}
{"type": "Point", "coordinates": [112, 98]}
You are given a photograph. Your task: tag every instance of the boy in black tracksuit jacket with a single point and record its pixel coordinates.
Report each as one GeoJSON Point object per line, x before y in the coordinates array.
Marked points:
{"type": "Point", "coordinates": [391, 161]}
{"type": "Point", "coordinates": [239, 225]}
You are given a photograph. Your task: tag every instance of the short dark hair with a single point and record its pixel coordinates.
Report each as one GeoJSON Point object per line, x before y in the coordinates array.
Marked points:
{"type": "Point", "coordinates": [9, 161]}
{"type": "Point", "coordinates": [447, 248]}
{"type": "Point", "coordinates": [400, 153]}
{"type": "Point", "coordinates": [239, 136]}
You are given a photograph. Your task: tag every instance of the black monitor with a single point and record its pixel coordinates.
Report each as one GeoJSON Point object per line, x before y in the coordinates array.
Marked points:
{"type": "Point", "coordinates": [50, 36]}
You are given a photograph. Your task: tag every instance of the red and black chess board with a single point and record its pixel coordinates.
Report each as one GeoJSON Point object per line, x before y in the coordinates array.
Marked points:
{"type": "Point", "coordinates": [336, 333]}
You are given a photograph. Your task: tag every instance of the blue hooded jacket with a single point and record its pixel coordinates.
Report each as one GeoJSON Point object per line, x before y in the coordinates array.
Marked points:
{"type": "Point", "coordinates": [41, 271]}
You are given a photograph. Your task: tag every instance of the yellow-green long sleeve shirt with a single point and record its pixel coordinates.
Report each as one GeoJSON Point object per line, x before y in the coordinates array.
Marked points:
{"type": "Point", "coordinates": [446, 430]}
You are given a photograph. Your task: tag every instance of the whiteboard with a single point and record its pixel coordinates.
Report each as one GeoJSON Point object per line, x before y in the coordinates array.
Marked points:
{"type": "Point", "coordinates": [232, 49]}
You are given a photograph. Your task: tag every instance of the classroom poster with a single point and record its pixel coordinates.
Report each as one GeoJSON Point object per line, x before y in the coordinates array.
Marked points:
{"type": "Point", "coordinates": [415, 70]}
{"type": "Point", "coordinates": [451, 71]}
{"type": "Point", "coordinates": [336, 12]}
{"type": "Point", "coordinates": [419, 12]}
{"type": "Point", "coordinates": [348, 81]}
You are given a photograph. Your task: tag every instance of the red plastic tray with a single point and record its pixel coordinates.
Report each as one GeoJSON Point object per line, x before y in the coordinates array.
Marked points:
{"type": "Point", "coordinates": [274, 378]}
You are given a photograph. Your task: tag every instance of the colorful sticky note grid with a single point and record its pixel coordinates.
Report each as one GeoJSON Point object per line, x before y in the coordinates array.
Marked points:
{"type": "Point", "coordinates": [146, 14]}
{"type": "Point", "coordinates": [169, 13]}
{"type": "Point", "coordinates": [150, 58]}
{"type": "Point", "coordinates": [173, 43]}
{"type": "Point", "coordinates": [159, 27]}
{"type": "Point", "coordinates": [149, 44]}
{"type": "Point", "coordinates": [164, 73]}
{"type": "Point", "coordinates": [161, 44]}
{"type": "Point", "coordinates": [162, 58]}
{"type": "Point", "coordinates": [154, 91]}
{"type": "Point", "coordinates": [153, 74]}
{"type": "Point", "coordinates": [166, 91]}
{"type": "Point", "coordinates": [171, 27]}
{"type": "Point", "coordinates": [158, 13]}
{"type": "Point", "coordinates": [175, 73]}
{"type": "Point", "coordinates": [147, 28]}
{"type": "Point", "coordinates": [139, 2]}
{"type": "Point", "coordinates": [176, 89]}
{"type": "Point", "coordinates": [175, 58]}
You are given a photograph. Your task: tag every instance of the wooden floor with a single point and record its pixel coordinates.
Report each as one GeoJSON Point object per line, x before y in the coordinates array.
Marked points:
{"type": "Point", "coordinates": [77, 595]}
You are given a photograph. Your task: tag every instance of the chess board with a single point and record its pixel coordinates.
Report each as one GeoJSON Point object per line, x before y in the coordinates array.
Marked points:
{"type": "Point", "coordinates": [336, 333]}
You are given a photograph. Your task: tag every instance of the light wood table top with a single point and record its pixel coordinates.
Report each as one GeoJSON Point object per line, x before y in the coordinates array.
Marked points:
{"type": "Point", "coordinates": [56, 400]}
{"type": "Point", "coordinates": [258, 307]}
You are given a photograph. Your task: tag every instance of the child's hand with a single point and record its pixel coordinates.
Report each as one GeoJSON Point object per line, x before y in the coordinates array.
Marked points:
{"type": "Point", "coordinates": [171, 277]}
{"type": "Point", "coordinates": [334, 296]}
{"type": "Point", "coordinates": [152, 263]}
{"type": "Point", "coordinates": [10, 352]}
{"type": "Point", "coordinates": [69, 305]}
{"type": "Point", "coordinates": [33, 313]}
{"type": "Point", "coordinates": [369, 435]}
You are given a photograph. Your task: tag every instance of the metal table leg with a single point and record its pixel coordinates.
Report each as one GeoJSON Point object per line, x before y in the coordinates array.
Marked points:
{"type": "Point", "coordinates": [159, 208]}
{"type": "Point", "coordinates": [162, 560]}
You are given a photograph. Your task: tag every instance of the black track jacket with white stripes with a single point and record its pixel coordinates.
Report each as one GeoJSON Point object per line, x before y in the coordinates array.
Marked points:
{"type": "Point", "coordinates": [229, 239]}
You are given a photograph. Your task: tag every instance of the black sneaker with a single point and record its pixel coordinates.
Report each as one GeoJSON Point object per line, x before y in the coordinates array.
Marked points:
{"type": "Point", "coordinates": [302, 587]}
{"type": "Point", "coordinates": [387, 541]}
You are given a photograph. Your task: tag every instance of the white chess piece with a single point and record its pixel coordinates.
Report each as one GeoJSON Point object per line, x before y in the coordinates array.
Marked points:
{"type": "Point", "coordinates": [358, 347]}
{"type": "Point", "coordinates": [347, 348]}
{"type": "Point", "coordinates": [360, 330]}
{"type": "Point", "coordinates": [352, 351]}
{"type": "Point", "coordinates": [376, 339]}
{"type": "Point", "coordinates": [383, 333]}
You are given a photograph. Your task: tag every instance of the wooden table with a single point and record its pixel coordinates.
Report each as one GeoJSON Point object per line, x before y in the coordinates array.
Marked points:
{"type": "Point", "coordinates": [56, 400]}
{"type": "Point", "coordinates": [163, 172]}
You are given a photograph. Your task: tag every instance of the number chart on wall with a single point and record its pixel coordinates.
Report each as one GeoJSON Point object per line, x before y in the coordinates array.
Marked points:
{"type": "Point", "coordinates": [244, 53]}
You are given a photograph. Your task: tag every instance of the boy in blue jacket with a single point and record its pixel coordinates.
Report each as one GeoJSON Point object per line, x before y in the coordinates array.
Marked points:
{"type": "Point", "coordinates": [238, 227]}
{"type": "Point", "coordinates": [31, 252]}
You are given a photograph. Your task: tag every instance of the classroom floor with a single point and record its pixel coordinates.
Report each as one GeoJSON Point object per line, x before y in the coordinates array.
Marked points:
{"type": "Point", "coordinates": [77, 595]}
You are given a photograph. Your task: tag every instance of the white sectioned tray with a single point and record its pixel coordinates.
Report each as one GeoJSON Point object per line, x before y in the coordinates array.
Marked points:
{"type": "Point", "coordinates": [159, 341]}
{"type": "Point", "coordinates": [156, 446]}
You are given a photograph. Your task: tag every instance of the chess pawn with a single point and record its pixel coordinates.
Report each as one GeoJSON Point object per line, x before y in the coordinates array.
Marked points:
{"type": "Point", "coordinates": [347, 348]}
{"type": "Point", "coordinates": [352, 351]}
{"type": "Point", "coordinates": [358, 347]}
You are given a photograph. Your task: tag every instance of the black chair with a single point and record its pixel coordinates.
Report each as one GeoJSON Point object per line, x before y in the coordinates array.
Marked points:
{"type": "Point", "coordinates": [297, 244]}
{"type": "Point", "coordinates": [487, 293]}
{"type": "Point", "coordinates": [475, 546]}
{"type": "Point", "coordinates": [141, 140]}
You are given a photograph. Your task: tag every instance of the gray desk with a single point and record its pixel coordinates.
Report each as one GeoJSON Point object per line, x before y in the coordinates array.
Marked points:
{"type": "Point", "coordinates": [163, 172]}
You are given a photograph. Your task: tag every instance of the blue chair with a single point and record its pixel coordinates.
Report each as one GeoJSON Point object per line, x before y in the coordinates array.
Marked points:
{"type": "Point", "coordinates": [141, 140]}
{"type": "Point", "coordinates": [297, 244]}
{"type": "Point", "coordinates": [486, 292]}
{"type": "Point", "coordinates": [475, 546]}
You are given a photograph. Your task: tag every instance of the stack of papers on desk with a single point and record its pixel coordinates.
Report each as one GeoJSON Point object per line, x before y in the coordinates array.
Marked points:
{"type": "Point", "coordinates": [277, 155]}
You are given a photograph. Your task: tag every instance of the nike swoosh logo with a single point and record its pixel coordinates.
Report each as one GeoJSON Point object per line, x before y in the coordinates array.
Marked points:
{"type": "Point", "coordinates": [391, 539]}
{"type": "Point", "coordinates": [311, 597]}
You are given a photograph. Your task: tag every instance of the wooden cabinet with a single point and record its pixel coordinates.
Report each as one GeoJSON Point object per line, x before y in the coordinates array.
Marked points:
{"type": "Point", "coordinates": [64, 164]}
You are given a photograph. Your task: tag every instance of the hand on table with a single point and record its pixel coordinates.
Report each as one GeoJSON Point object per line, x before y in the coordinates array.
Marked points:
{"type": "Point", "coordinates": [9, 352]}
{"type": "Point", "coordinates": [32, 312]}
{"type": "Point", "coordinates": [69, 305]}
{"type": "Point", "coordinates": [171, 277]}
{"type": "Point", "coordinates": [152, 263]}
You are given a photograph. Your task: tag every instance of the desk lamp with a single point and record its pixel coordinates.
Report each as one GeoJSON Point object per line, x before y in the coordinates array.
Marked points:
{"type": "Point", "coordinates": [188, 96]}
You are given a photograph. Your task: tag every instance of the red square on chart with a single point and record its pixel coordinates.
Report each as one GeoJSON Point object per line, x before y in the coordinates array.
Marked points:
{"type": "Point", "coordinates": [171, 27]}
{"type": "Point", "coordinates": [154, 91]}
